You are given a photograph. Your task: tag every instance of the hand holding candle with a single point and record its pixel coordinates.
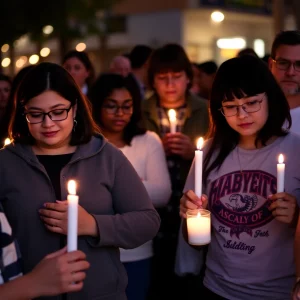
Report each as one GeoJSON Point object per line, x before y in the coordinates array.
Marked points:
{"type": "Point", "coordinates": [173, 120]}
{"type": "Point", "coordinates": [198, 167]}
{"type": "Point", "coordinates": [280, 174]}
{"type": "Point", "coordinates": [72, 216]}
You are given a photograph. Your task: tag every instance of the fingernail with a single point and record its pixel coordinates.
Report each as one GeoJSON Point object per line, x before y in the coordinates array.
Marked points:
{"type": "Point", "coordinates": [270, 196]}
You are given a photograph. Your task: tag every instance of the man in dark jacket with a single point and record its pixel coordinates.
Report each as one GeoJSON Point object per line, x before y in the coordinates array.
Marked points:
{"type": "Point", "coordinates": [170, 76]}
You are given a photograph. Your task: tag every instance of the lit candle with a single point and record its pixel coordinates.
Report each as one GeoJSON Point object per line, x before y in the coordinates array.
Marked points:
{"type": "Point", "coordinates": [198, 227]}
{"type": "Point", "coordinates": [280, 174]}
{"type": "Point", "coordinates": [7, 142]}
{"type": "Point", "coordinates": [173, 120]}
{"type": "Point", "coordinates": [198, 167]}
{"type": "Point", "coordinates": [72, 216]}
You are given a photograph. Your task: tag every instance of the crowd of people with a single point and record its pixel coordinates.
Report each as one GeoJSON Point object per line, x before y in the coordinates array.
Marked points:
{"type": "Point", "coordinates": [136, 176]}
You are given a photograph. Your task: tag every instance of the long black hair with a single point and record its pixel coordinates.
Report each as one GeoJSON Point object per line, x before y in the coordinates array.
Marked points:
{"type": "Point", "coordinates": [103, 88]}
{"type": "Point", "coordinates": [237, 77]}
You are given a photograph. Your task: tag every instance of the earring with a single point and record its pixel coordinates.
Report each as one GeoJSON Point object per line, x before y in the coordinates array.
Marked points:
{"type": "Point", "coordinates": [74, 125]}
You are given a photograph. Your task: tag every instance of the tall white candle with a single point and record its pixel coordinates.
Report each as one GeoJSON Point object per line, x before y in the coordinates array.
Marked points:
{"type": "Point", "coordinates": [198, 167]}
{"type": "Point", "coordinates": [280, 174]}
{"type": "Point", "coordinates": [173, 120]}
{"type": "Point", "coordinates": [72, 216]}
{"type": "Point", "coordinates": [198, 227]}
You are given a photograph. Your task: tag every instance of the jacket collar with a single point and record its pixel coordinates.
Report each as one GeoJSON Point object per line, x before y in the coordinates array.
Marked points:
{"type": "Point", "coordinates": [94, 146]}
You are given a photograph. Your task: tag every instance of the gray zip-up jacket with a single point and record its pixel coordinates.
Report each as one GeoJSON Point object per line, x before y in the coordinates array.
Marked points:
{"type": "Point", "coordinates": [108, 188]}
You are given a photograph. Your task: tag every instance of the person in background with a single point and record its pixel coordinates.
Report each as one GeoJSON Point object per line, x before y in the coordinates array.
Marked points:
{"type": "Point", "coordinates": [57, 273]}
{"type": "Point", "coordinates": [54, 139]}
{"type": "Point", "coordinates": [170, 76]}
{"type": "Point", "coordinates": [250, 255]}
{"type": "Point", "coordinates": [120, 65]}
{"type": "Point", "coordinates": [81, 68]}
{"type": "Point", "coordinates": [247, 51]}
{"type": "Point", "coordinates": [116, 104]}
{"type": "Point", "coordinates": [206, 75]}
{"type": "Point", "coordinates": [284, 64]}
{"type": "Point", "coordinates": [139, 58]}
{"type": "Point", "coordinates": [195, 88]}
{"type": "Point", "coordinates": [5, 107]}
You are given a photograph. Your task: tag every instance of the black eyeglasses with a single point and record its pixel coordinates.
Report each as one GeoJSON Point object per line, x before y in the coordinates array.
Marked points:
{"type": "Point", "coordinates": [284, 64]}
{"type": "Point", "coordinates": [249, 107]}
{"type": "Point", "coordinates": [112, 109]}
{"type": "Point", "coordinates": [55, 115]}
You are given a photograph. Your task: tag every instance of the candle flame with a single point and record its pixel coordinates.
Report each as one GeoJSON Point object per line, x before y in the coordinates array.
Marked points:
{"type": "Point", "coordinates": [200, 143]}
{"type": "Point", "coordinates": [280, 159]}
{"type": "Point", "coordinates": [7, 142]}
{"type": "Point", "coordinates": [72, 187]}
{"type": "Point", "coordinates": [198, 214]}
{"type": "Point", "coordinates": [172, 115]}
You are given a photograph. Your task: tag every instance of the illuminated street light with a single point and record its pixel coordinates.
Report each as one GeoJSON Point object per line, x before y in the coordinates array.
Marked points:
{"type": "Point", "coordinates": [5, 48]}
{"type": "Point", "coordinates": [217, 16]}
{"type": "Point", "coordinates": [233, 43]}
{"type": "Point", "coordinates": [259, 47]}
{"type": "Point", "coordinates": [48, 29]}
{"type": "Point", "coordinates": [21, 62]}
{"type": "Point", "coordinates": [81, 47]}
{"type": "Point", "coordinates": [5, 62]}
{"type": "Point", "coordinates": [33, 59]}
{"type": "Point", "coordinates": [45, 52]}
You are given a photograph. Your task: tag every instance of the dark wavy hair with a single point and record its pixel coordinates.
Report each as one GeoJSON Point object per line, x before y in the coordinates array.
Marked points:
{"type": "Point", "coordinates": [236, 77]}
{"type": "Point", "coordinates": [169, 58]}
{"type": "Point", "coordinates": [103, 88]}
{"type": "Point", "coordinates": [288, 37]}
{"type": "Point", "coordinates": [44, 77]}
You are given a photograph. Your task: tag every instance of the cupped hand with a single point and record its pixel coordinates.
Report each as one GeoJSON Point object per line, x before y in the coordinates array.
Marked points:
{"type": "Point", "coordinates": [284, 208]}
{"type": "Point", "coordinates": [59, 272]}
{"type": "Point", "coordinates": [189, 200]}
{"type": "Point", "coordinates": [179, 144]}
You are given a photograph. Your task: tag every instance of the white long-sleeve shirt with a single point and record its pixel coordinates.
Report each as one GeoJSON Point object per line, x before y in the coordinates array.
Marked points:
{"type": "Point", "coordinates": [147, 156]}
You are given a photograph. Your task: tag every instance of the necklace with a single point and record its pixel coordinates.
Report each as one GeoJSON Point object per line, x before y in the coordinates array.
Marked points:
{"type": "Point", "coordinates": [248, 162]}
{"type": "Point", "coordinates": [238, 155]}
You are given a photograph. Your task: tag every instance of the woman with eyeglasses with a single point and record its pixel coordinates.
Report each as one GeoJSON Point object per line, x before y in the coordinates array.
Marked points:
{"type": "Point", "coordinates": [116, 104]}
{"type": "Point", "coordinates": [253, 224]}
{"type": "Point", "coordinates": [54, 140]}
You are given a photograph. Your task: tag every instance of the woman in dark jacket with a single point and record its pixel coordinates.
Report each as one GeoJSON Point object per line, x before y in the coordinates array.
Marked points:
{"type": "Point", "coordinates": [54, 140]}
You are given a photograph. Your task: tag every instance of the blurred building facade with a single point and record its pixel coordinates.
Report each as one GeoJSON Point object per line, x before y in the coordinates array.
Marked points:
{"type": "Point", "coordinates": [246, 23]}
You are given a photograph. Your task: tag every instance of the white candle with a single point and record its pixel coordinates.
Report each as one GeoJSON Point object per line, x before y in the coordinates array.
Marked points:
{"type": "Point", "coordinates": [280, 174]}
{"type": "Point", "coordinates": [7, 142]}
{"type": "Point", "coordinates": [198, 227]}
{"type": "Point", "coordinates": [72, 216]}
{"type": "Point", "coordinates": [198, 167]}
{"type": "Point", "coordinates": [173, 120]}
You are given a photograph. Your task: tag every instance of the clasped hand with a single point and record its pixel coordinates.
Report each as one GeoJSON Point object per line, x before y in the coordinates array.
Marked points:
{"type": "Point", "coordinates": [284, 208]}
{"type": "Point", "coordinates": [178, 144]}
{"type": "Point", "coordinates": [189, 200]}
{"type": "Point", "coordinates": [55, 218]}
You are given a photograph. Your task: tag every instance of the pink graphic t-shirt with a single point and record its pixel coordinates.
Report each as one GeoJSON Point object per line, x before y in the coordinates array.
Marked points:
{"type": "Point", "coordinates": [251, 254]}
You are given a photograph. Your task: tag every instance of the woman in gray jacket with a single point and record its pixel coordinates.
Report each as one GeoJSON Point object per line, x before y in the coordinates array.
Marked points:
{"type": "Point", "coordinates": [54, 140]}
